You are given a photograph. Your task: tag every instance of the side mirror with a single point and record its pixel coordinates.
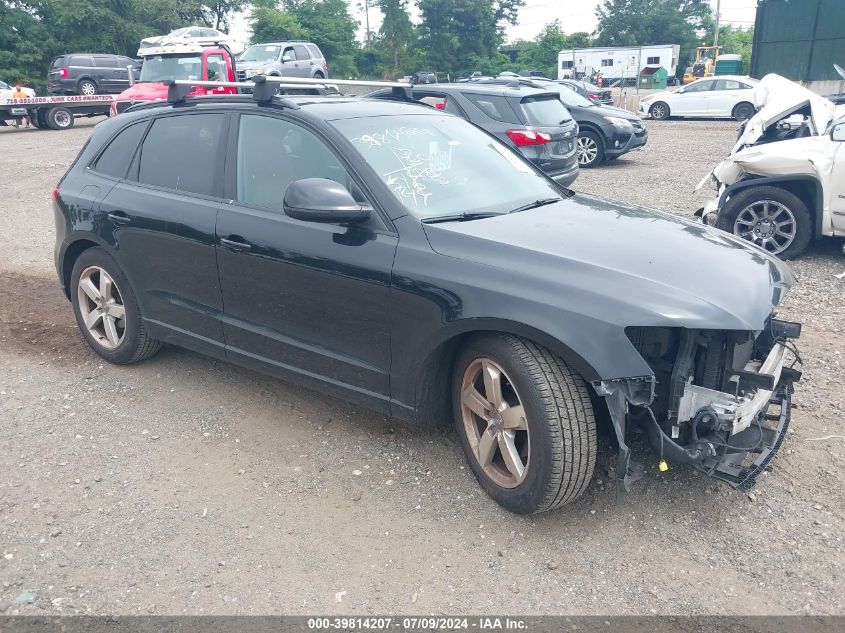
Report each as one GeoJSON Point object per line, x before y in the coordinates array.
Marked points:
{"type": "Point", "coordinates": [837, 133]}
{"type": "Point", "coordinates": [323, 200]}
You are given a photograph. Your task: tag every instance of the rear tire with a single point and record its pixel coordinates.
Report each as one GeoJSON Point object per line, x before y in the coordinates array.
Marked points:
{"type": "Point", "coordinates": [86, 88]}
{"type": "Point", "coordinates": [659, 111]}
{"type": "Point", "coordinates": [111, 324]}
{"type": "Point", "coordinates": [757, 214]}
{"type": "Point", "coordinates": [59, 118]}
{"type": "Point", "coordinates": [539, 414]}
{"type": "Point", "coordinates": [743, 111]}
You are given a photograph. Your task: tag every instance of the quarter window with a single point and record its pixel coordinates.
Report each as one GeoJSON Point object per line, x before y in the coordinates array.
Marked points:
{"type": "Point", "coordinates": [494, 106]}
{"type": "Point", "coordinates": [115, 160]}
{"type": "Point", "coordinates": [273, 153]}
{"type": "Point", "coordinates": [182, 153]}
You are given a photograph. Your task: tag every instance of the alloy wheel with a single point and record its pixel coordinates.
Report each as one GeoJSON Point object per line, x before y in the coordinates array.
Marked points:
{"type": "Point", "coordinates": [767, 223]}
{"type": "Point", "coordinates": [88, 89]}
{"type": "Point", "coordinates": [588, 150]}
{"type": "Point", "coordinates": [658, 111]}
{"type": "Point", "coordinates": [101, 307]}
{"type": "Point", "coordinates": [495, 423]}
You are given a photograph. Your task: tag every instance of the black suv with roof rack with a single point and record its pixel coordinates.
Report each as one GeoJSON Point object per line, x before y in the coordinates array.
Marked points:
{"type": "Point", "coordinates": [401, 258]}
{"type": "Point", "coordinates": [531, 120]}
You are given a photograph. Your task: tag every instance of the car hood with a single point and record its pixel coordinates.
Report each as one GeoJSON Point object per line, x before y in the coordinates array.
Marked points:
{"type": "Point", "coordinates": [624, 264]}
{"type": "Point", "coordinates": [144, 91]}
{"type": "Point", "coordinates": [776, 98]}
{"type": "Point", "coordinates": [619, 113]}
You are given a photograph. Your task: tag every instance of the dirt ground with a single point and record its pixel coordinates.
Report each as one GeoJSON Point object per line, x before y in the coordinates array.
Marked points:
{"type": "Point", "coordinates": [186, 485]}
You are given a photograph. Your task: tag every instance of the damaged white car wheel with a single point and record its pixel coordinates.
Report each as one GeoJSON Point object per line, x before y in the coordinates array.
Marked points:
{"type": "Point", "coordinates": [770, 217]}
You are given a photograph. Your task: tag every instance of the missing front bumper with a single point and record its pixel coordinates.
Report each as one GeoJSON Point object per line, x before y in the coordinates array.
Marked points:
{"type": "Point", "coordinates": [740, 469]}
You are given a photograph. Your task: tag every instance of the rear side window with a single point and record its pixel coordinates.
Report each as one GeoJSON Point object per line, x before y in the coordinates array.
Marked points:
{"type": "Point", "coordinates": [544, 110]}
{"type": "Point", "coordinates": [182, 153]}
{"type": "Point", "coordinates": [105, 62]}
{"type": "Point", "coordinates": [315, 52]}
{"type": "Point", "coordinates": [81, 60]}
{"type": "Point", "coordinates": [301, 52]}
{"type": "Point", "coordinates": [494, 106]}
{"type": "Point", "coordinates": [114, 161]}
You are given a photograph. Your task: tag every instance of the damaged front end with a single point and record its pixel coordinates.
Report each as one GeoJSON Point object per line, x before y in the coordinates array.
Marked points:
{"type": "Point", "coordinates": [719, 400]}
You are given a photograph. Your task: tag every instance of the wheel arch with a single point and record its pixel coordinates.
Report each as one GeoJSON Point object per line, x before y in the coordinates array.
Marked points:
{"type": "Point", "coordinates": [595, 129]}
{"type": "Point", "coordinates": [69, 256]}
{"type": "Point", "coordinates": [742, 103]}
{"type": "Point", "coordinates": [807, 188]}
{"type": "Point", "coordinates": [432, 378]}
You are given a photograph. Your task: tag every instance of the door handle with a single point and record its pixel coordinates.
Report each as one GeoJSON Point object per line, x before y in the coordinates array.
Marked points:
{"type": "Point", "coordinates": [119, 218]}
{"type": "Point", "coordinates": [235, 244]}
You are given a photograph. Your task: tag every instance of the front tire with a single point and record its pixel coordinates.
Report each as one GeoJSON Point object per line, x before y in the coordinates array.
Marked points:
{"type": "Point", "coordinates": [771, 217]}
{"type": "Point", "coordinates": [659, 111]}
{"type": "Point", "coordinates": [590, 149]}
{"type": "Point", "coordinates": [526, 423]}
{"type": "Point", "coordinates": [106, 310]}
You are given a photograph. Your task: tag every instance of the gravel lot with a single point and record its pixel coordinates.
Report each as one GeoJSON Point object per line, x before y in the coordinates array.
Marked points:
{"type": "Point", "coordinates": [185, 485]}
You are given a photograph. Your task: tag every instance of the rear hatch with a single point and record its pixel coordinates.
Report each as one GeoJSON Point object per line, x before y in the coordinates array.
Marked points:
{"type": "Point", "coordinates": [55, 72]}
{"type": "Point", "coordinates": [546, 113]}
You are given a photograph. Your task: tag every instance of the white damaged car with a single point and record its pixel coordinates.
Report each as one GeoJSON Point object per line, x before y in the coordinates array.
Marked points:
{"type": "Point", "coordinates": [783, 184]}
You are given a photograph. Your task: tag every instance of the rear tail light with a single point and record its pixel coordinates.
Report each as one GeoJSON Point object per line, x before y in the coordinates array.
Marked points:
{"type": "Point", "coordinates": [326, 65]}
{"type": "Point", "coordinates": [56, 192]}
{"type": "Point", "coordinates": [593, 95]}
{"type": "Point", "coordinates": [529, 137]}
{"type": "Point", "coordinates": [63, 72]}
{"type": "Point", "coordinates": [441, 105]}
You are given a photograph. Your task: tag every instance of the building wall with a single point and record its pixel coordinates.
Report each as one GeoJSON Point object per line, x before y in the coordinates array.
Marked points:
{"type": "Point", "coordinates": [799, 39]}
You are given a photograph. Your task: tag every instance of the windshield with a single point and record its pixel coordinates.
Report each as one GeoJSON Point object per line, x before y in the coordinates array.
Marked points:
{"type": "Point", "coordinates": [440, 165]}
{"type": "Point", "coordinates": [567, 95]}
{"type": "Point", "coordinates": [545, 110]}
{"type": "Point", "coordinates": [164, 67]}
{"type": "Point", "coordinates": [260, 53]}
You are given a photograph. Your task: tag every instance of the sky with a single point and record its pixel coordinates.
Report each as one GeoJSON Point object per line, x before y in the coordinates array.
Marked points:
{"type": "Point", "coordinates": [574, 15]}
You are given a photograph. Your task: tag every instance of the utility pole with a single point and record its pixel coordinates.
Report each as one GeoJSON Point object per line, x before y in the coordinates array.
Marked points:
{"type": "Point", "coordinates": [367, 19]}
{"type": "Point", "coordinates": [716, 36]}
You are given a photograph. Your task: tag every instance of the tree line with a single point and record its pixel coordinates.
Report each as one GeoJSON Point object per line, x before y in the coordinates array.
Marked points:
{"type": "Point", "coordinates": [452, 37]}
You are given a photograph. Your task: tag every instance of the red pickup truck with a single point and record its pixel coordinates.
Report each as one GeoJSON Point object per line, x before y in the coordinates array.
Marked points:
{"type": "Point", "coordinates": [183, 61]}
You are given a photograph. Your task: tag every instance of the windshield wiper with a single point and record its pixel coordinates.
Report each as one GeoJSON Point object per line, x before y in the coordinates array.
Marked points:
{"type": "Point", "coordinates": [459, 217]}
{"type": "Point", "coordinates": [537, 203]}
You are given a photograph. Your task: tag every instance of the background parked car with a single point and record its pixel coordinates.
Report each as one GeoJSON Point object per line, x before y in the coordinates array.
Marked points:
{"type": "Point", "coordinates": [531, 120]}
{"type": "Point", "coordinates": [605, 132]}
{"type": "Point", "coordinates": [88, 75]}
{"type": "Point", "coordinates": [294, 58]}
{"type": "Point", "coordinates": [725, 96]}
{"type": "Point", "coordinates": [424, 77]}
{"type": "Point", "coordinates": [200, 35]}
{"type": "Point", "coordinates": [590, 91]}
{"type": "Point", "coordinates": [6, 91]}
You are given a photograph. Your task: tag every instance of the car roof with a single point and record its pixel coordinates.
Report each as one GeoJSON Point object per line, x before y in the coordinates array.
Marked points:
{"type": "Point", "coordinates": [328, 108]}
{"type": "Point", "coordinates": [503, 88]}
{"type": "Point", "coordinates": [744, 78]}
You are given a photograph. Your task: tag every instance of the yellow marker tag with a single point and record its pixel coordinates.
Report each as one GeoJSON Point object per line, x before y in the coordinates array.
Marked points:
{"type": "Point", "coordinates": [662, 466]}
